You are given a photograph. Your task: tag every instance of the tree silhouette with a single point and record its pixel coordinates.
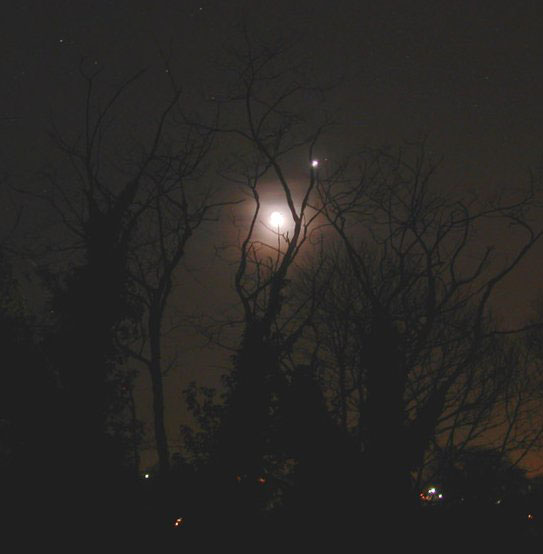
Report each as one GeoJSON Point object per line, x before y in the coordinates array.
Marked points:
{"type": "Point", "coordinates": [100, 196]}
{"type": "Point", "coordinates": [30, 417]}
{"type": "Point", "coordinates": [266, 115]}
{"type": "Point", "coordinates": [414, 353]}
{"type": "Point", "coordinates": [181, 203]}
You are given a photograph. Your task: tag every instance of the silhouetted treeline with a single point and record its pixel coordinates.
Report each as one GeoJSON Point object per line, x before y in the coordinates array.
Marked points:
{"type": "Point", "coordinates": [367, 362]}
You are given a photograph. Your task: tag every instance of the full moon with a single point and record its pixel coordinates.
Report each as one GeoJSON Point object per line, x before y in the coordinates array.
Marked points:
{"type": "Point", "coordinates": [276, 219]}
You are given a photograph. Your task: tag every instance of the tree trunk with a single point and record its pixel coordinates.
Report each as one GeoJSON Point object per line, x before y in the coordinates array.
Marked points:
{"type": "Point", "coordinates": [155, 370]}
{"type": "Point", "coordinates": [389, 476]}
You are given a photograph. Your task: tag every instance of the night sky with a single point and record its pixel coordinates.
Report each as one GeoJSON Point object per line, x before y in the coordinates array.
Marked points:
{"type": "Point", "coordinates": [466, 74]}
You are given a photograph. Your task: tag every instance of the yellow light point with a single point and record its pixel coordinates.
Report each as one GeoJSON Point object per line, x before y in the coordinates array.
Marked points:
{"type": "Point", "coordinates": [178, 522]}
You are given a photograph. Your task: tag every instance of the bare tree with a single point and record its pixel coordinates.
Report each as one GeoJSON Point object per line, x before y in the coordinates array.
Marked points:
{"type": "Point", "coordinates": [274, 140]}
{"type": "Point", "coordinates": [181, 204]}
{"type": "Point", "coordinates": [103, 196]}
{"type": "Point", "coordinates": [415, 358]}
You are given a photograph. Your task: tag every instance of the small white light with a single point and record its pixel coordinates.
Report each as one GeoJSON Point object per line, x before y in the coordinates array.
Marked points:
{"type": "Point", "coordinates": [315, 163]}
{"type": "Point", "coordinates": [147, 476]}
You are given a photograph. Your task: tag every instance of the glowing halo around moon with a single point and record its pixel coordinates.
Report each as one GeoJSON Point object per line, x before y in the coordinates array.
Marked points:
{"type": "Point", "coordinates": [276, 219]}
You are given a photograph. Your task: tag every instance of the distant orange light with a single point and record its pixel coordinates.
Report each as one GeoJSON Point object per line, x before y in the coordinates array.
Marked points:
{"type": "Point", "coordinates": [531, 516]}
{"type": "Point", "coordinates": [178, 522]}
